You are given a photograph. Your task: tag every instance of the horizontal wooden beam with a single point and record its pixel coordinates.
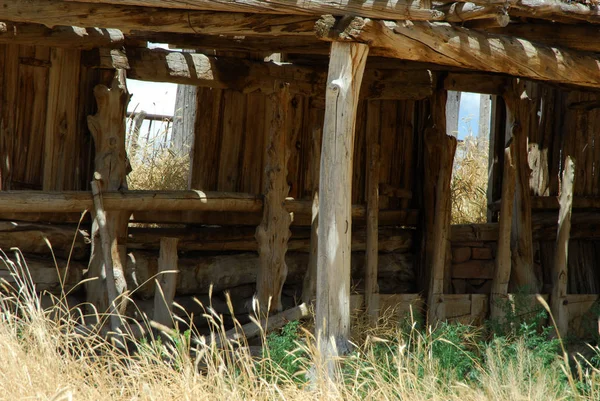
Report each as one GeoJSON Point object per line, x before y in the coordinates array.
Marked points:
{"type": "Point", "coordinates": [476, 82]}
{"type": "Point", "coordinates": [249, 75]}
{"type": "Point", "coordinates": [392, 9]}
{"type": "Point", "coordinates": [555, 10]}
{"type": "Point", "coordinates": [553, 34]}
{"type": "Point", "coordinates": [461, 47]}
{"type": "Point", "coordinates": [128, 18]}
{"type": "Point", "coordinates": [62, 36]}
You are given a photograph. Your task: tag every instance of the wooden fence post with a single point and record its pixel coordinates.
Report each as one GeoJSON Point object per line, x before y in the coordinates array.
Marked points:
{"type": "Point", "coordinates": [503, 258]}
{"type": "Point", "coordinates": [346, 68]}
{"type": "Point", "coordinates": [274, 231]}
{"type": "Point", "coordinates": [166, 282]}
{"type": "Point", "coordinates": [559, 274]}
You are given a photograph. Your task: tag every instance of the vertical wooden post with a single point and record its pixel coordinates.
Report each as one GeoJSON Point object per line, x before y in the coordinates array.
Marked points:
{"type": "Point", "coordinates": [274, 231]}
{"type": "Point", "coordinates": [372, 249]}
{"type": "Point", "coordinates": [559, 273]}
{"type": "Point", "coordinates": [108, 130]}
{"type": "Point", "coordinates": [521, 108]}
{"type": "Point", "coordinates": [309, 288]}
{"type": "Point", "coordinates": [166, 282]}
{"type": "Point", "coordinates": [346, 68]}
{"type": "Point", "coordinates": [503, 258]}
{"type": "Point", "coordinates": [441, 149]}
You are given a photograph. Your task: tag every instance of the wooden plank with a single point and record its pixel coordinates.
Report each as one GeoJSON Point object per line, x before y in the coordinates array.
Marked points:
{"type": "Point", "coordinates": [254, 146]}
{"type": "Point", "coordinates": [232, 139]}
{"type": "Point", "coordinates": [461, 47]}
{"type": "Point", "coordinates": [560, 273]}
{"type": "Point", "coordinates": [273, 233]}
{"type": "Point", "coordinates": [61, 136]}
{"type": "Point", "coordinates": [61, 36]}
{"type": "Point", "coordinates": [166, 282]}
{"type": "Point", "coordinates": [332, 320]}
{"type": "Point", "coordinates": [8, 114]}
{"type": "Point", "coordinates": [372, 251]}
{"type": "Point", "coordinates": [395, 9]}
{"type": "Point", "coordinates": [503, 255]}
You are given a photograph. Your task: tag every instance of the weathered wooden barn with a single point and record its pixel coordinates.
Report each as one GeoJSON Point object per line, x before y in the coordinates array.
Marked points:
{"type": "Point", "coordinates": [320, 165]}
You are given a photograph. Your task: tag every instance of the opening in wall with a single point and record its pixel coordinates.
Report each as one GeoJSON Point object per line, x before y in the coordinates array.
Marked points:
{"type": "Point", "coordinates": [468, 119]}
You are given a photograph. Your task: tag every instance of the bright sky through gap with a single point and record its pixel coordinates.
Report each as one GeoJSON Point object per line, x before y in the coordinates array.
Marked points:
{"type": "Point", "coordinates": [468, 114]}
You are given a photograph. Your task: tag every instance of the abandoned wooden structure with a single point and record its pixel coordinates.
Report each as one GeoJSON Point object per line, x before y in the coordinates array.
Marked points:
{"type": "Point", "coordinates": [319, 176]}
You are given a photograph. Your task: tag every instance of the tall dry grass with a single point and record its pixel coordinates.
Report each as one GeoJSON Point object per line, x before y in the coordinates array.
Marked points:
{"type": "Point", "coordinates": [470, 181]}
{"type": "Point", "coordinates": [44, 354]}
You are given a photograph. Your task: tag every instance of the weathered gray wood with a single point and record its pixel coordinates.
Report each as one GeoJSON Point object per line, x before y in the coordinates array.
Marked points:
{"type": "Point", "coordinates": [273, 233]}
{"type": "Point", "coordinates": [394, 9]}
{"type": "Point", "coordinates": [166, 282]}
{"type": "Point", "coordinates": [559, 272]}
{"type": "Point", "coordinates": [466, 48]}
{"type": "Point", "coordinates": [61, 36]}
{"type": "Point", "coordinates": [372, 251]}
{"type": "Point", "coordinates": [503, 257]}
{"type": "Point", "coordinates": [332, 320]}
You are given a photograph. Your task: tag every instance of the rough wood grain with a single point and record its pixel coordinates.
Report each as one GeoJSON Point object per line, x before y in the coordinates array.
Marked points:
{"type": "Point", "coordinates": [372, 251]}
{"type": "Point", "coordinates": [61, 36]}
{"type": "Point", "coordinates": [461, 47]}
{"type": "Point", "coordinates": [108, 129]}
{"type": "Point", "coordinates": [273, 233]}
{"type": "Point", "coordinates": [335, 222]}
{"type": "Point", "coordinates": [394, 9]}
{"type": "Point", "coordinates": [503, 256]}
{"type": "Point", "coordinates": [559, 272]}
{"type": "Point", "coordinates": [166, 282]}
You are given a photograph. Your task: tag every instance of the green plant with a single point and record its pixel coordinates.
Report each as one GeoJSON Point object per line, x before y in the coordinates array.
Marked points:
{"type": "Point", "coordinates": [286, 358]}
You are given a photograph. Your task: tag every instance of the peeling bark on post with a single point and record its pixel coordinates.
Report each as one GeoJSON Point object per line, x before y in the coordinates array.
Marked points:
{"type": "Point", "coordinates": [503, 258]}
{"type": "Point", "coordinates": [274, 231]}
{"type": "Point", "coordinates": [108, 130]}
{"type": "Point", "coordinates": [560, 275]}
{"type": "Point", "coordinates": [346, 68]}
{"type": "Point", "coordinates": [372, 251]}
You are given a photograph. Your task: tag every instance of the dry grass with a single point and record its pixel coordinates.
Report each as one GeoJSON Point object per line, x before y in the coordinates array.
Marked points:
{"type": "Point", "coordinates": [470, 181]}
{"type": "Point", "coordinates": [43, 355]}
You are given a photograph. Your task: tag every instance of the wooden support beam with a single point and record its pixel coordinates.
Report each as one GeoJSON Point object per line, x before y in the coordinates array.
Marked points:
{"type": "Point", "coordinates": [440, 147]}
{"type": "Point", "coordinates": [372, 251]}
{"type": "Point", "coordinates": [247, 75]}
{"type": "Point", "coordinates": [466, 48]}
{"type": "Point", "coordinates": [61, 36]}
{"type": "Point", "coordinates": [128, 18]}
{"type": "Point", "coordinates": [335, 222]}
{"type": "Point", "coordinates": [309, 288]}
{"type": "Point", "coordinates": [394, 9]}
{"type": "Point", "coordinates": [555, 10]}
{"type": "Point", "coordinates": [499, 291]}
{"type": "Point", "coordinates": [273, 233]}
{"type": "Point", "coordinates": [462, 12]}
{"type": "Point", "coordinates": [108, 130]}
{"type": "Point", "coordinates": [476, 82]}
{"type": "Point", "coordinates": [166, 282]}
{"type": "Point", "coordinates": [521, 109]}
{"type": "Point", "coordinates": [559, 305]}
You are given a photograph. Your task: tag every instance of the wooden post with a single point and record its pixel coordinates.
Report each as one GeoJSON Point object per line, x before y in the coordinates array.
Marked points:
{"type": "Point", "coordinates": [372, 251]}
{"type": "Point", "coordinates": [108, 129]}
{"type": "Point", "coordinates": [521, 107]}
{"type": "Point", "coordinates": [309, 289]}
{"type": "Point", "coordinates": [274, 231]}
{"type": "Point", "coordinates": [440, 148]}
{"type": "Point", "coordinates": [503, 258]}
{"type": "Point", "coordinates": [346, 68]}
{"type": "Point", "coordinates": [166, 282]}
{"type": "Point", "coordinates": [559, 275]}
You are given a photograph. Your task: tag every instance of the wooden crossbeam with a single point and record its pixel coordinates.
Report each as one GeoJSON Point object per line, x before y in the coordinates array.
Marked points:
{"type": "Point", "coordinates": [466, 48]}
{"type": "Point", "coordinates": [392, 9]}
{"type": "Point", "coordinates": [62, 36]}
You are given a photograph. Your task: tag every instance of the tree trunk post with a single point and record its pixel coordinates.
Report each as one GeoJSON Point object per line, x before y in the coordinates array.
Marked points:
{"type": "Point", "coordinates": [503, 258]}
{"type": "Point", "coordinates": [108, 130]}
{"type": "Point", "coordinates": [559, 274]}
{"type": "Point", "coordinates": [273, 233]}
{"type": "Point", "coordinates": [346, 68]}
